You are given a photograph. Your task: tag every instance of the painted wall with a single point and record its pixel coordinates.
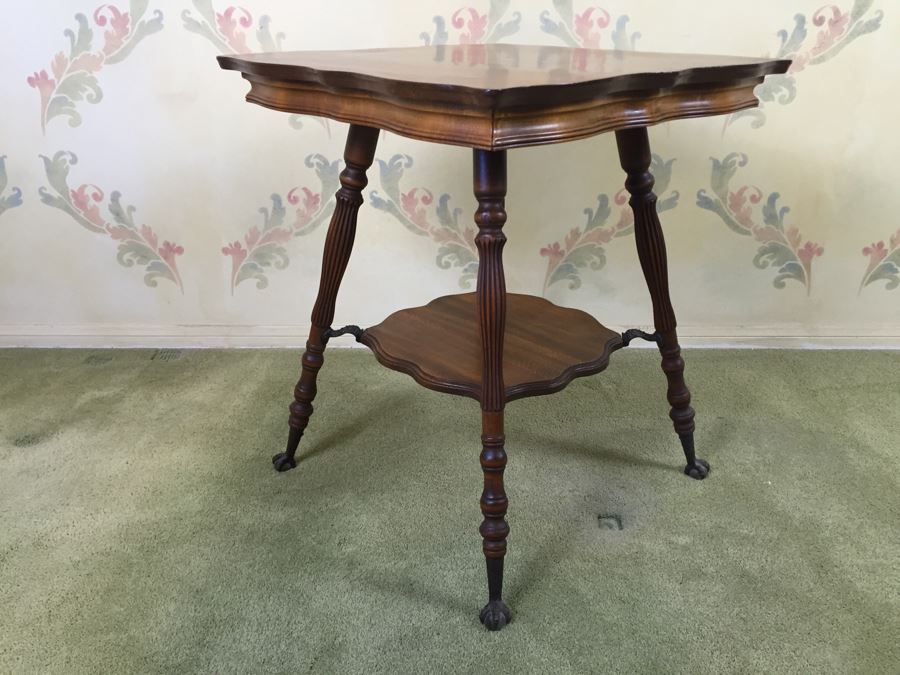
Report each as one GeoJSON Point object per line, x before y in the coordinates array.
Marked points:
{"type": "Point", "coordinates": [143, 202]}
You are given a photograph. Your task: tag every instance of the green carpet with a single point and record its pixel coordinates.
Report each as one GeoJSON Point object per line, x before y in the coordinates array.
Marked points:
{"type": "Point", "coordinates": [142, 528]}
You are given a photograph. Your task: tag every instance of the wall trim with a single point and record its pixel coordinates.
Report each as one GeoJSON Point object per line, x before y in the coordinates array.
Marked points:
{"type": "Point", "coordinates": [221, 336]}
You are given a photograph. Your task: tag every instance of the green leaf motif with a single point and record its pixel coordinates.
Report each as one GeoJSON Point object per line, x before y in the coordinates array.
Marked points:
{"type": "Point", "coordinates": [776, 254]}
{"type": "Point", "coordinates": [57, 171]}
{"type": "Point", "coordinates": [267, 41]}
{"type": "Point", "coordinates": [204, 28]}
{"type": "Point", "coordinates": [390, 173]}
{"type": "Point", "coordinates": [856, 31]}
{"type": "Point", "coordinates": [886, 271]}
{"type": "Point", "coordinates": [440, 36]}
{"type": "Point", "coordinates": [14, 198]}
{"type": "Point", "coordinates": [262, 258]}
{"type": "Point", "coordinates": [142, 30]}
{"type": "Point", "coordinates": [275, 217]}
{"type": "Point", "coordinates": [122, 215]}
{"type": "Point", "coordinates": [137, 8]}
{"type": "Point", "coordinates": [80, 43]}
{"type": "Point", "coordinates": [78, 86]}
{"type": "Point", "coordinates": [860, 7]}
{"type": "Point", "coordinates": [157, 269]}
{"type": "Point", "coordinates": [559, 29]}
{"type": "Point", "coordinates": [453, 255]}
{"type": "Point", "coordinates": [776, 248]}
{"type": "Point", "coordinates": [597, 217]}
{"type": "Point", "coordinates": [446, 217]}
{"type": "Point", "coordinates": [782, 89]}
{"type": "Point", "coordinates": [790, 44]}
{"type": "Point", "coordinates": [133, 250]}
{"type": "Point", "coordinates": [722, 173]}
{"type": "Point", "coordinates": [772, 215]}
{"type": "Point", "coordinates": [267, 256]}
{"type": "Point", "coordinates": [65, 107]}
{"type": "Point", "coordinates": [622, 41]}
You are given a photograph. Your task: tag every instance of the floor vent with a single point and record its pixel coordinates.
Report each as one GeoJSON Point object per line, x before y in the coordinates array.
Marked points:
{"type": "Point", "coordinates": [610, 521]}
{"type": "Point", "coordinates": [166, 355]}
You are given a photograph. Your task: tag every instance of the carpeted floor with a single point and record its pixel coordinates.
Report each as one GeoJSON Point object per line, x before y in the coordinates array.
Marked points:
{"type": "Point", "coordinates": [142, 528]}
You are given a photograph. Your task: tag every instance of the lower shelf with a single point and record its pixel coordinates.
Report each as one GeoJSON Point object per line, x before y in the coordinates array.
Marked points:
{"type": "Point", "coordinates": [545, 346]}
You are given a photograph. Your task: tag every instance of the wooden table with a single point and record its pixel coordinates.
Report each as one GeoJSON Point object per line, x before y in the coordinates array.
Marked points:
{"type": "Point", "coordinates": [490, 345]}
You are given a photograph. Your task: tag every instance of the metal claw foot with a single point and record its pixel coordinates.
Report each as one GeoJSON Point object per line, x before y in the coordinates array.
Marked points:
{"type": "Point", "coordinates": [698, 470]}
{"type": "Point", "coordinates": [283, 463]}
{"type": "Point", "coordinates": [495, 615]}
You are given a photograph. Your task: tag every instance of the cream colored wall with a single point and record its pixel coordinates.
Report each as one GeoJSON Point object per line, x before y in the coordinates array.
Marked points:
{"type": "Point", "coordinates": [171, 133]}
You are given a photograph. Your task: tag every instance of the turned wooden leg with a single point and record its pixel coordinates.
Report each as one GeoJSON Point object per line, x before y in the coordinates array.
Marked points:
{"type": "Point", "coordinates": [359, 153]}
{"type": "Point", "coordinates": [490, 190]}
{"type": "Point", "coordinates": [634, 155]}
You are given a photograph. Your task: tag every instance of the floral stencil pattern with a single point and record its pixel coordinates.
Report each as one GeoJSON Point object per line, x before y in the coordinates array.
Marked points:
{"type": "Point", "coordinates": [583, 247]}
{"type": "Point", "coordinates": [138, 245]}
{"type": "Point", "coordinates": [837, 28]}
{"type": "Point", "coordinates": [417, 211]}
{"type": "Point", "coordinates": [263, 249]}
{"type": "Point", "coordinates": [14, 198]}
{"type": "Point", "coordinates": [780, 248]}
{"type": "Point", "coordinates": [472, 27]}
{"type": "Point", "coordinates": [74, 75]}
{"type": "Point", "coordinates": [585, 29]}
{"type": "Point", "coordinates": [884, 263]}
{"type": "Point", "coordinates": [224, 30]}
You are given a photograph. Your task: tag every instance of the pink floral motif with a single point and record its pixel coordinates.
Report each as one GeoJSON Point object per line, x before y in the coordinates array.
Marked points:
{"type": "Point", "coordinates": [781, 248]}
{"type": "Point", "coordinates": [119, 27]}
{"type": "Point", "coordinates": [223, 29]}
{"type": "Point", "coordinates": [584, 247]}
{"type": "Point", "coordinates": [138, 245]}
{"type": "Point", "coordinates": [73, 75]}
{"type": "Point", "coordinates": [423, 215]}
{"type": "Point", "coordinates": [884, 263]}
{"type": "Point", "coordinates": [472, 27]}
{"type": "Point", "coordinates": [410, 201]}
{"type": "Point", "coordinates": [809, 251]}
{"type": "Point", "coordinates": [553, 251]}
{"type": "Point", "coordinates": [838, 28]}
{"type": "Point", "coordinates": [476, 25]}
{"type": "Point", "coordinates": [876, 252]}
{"type": "Point", "coordinates": [584, 24]}
{"type": "Point", "coordinates": [264, 249]}
{"type": "Point", "coordinates": [741, 205]}
{"type": "Point", "coordinates": [236, 39]}
{"type": "Point", "coordinates": [585, 29]}
{"type": "Point", "coordinates": [87, 203]}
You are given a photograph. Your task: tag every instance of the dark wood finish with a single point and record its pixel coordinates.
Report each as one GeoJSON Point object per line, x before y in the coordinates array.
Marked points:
{"type": "Point", "coordinates": [490, 300]}
{"type": "Point", "coordinates": [634, 155]}
{"type": "Point", "coordinates": [359, 153]}
{"type": "Point", "coordinates": [490, 345]}
{"type": "Point", "coordinates": [501, 96]}
{"type": "Point", "coordinates": [545, 346]}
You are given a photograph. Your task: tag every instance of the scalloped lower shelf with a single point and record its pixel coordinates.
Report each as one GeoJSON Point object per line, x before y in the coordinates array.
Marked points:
{"type": "Point", "coordinates": [545, 346]}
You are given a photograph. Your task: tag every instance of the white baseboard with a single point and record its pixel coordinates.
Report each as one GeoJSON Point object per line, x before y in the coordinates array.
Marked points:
{"type": "Point", "coordinates": [220, 336]}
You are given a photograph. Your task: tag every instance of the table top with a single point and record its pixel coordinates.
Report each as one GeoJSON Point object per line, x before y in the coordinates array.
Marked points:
{"type": "Point", "coordinates": [498, 95]}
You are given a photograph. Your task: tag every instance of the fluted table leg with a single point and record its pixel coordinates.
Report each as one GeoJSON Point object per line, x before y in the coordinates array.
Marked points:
{"type": "Point", "coordinates": [635, 157]}
{"type": "Point", "coordinates": [490, 191]}
{"type": "Point", "coordinates": [359, 153]}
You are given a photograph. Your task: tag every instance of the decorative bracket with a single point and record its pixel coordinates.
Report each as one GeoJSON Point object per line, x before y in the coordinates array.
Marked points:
{"type": "Point", "coordinates": [356, 331]}
{"type": "Point", "coordinates": [633, 333]}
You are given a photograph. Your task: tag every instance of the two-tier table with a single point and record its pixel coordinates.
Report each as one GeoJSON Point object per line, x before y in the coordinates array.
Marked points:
{"type": "Point", "coordinates": [490, 345]}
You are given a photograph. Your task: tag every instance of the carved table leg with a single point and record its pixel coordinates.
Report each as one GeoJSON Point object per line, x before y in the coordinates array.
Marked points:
{"type": "Point", "coordinates": [359, 153]}
{"type": "Point", "coordinates": [634, 155]}
{"type": "Point", "coordinates": [490, 190]}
